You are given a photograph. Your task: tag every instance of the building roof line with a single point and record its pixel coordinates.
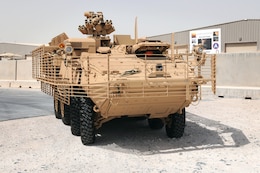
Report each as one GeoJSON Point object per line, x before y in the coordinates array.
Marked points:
{"type": "Point", "coordinates": [207, 26]}
{"type": "Point", "coordinates": [25, 44]}
{"type": "Point", "coordinates": [220, 24]}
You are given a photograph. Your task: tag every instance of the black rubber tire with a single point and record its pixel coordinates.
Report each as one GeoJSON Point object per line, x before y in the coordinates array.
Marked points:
{"type": "Point", "coordinates": [87, 116]}
{"type": "Point", "coordinates": [74, 116]}
{"type": "Point", "coordinates": [155, 123]}
{"type": "Point", "coordinates": [176, 125]}
{"type": "Point", "coordinates": [57, 112]}
{"type": "Point", "coordinates": [66, 117]}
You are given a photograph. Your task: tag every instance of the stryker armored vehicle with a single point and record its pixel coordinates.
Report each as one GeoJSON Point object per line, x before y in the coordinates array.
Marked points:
{"type": "Point", "coordinates": [94, 80]}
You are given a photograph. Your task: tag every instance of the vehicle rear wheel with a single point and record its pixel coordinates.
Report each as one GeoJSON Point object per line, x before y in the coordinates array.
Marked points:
{"type": "Point", "coordinates": [175, 125]}
{"type": "Point", "coordinates": [87, 116]}
{"type": "Point", "coordinates": [155, 123]}
{"type": "Point", "coordinates": [57, 111]}
{"type": "Point", "coordinates": [66, 117]}
{"type": "Point", "coordinates": [74, 116]}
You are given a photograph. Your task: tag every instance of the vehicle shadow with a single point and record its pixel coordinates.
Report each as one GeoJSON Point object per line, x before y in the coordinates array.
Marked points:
{"type": "Point", "coordinates": [133, 135]}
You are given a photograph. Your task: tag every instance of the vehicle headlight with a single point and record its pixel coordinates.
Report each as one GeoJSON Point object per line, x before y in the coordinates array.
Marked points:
{"type": "Point", "coordinates": [198, 49]}
{"type": "Point", "coordinates": [68, 49]}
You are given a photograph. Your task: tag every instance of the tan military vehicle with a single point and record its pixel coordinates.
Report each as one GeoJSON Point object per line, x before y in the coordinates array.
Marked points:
{"type": "Point", "coordinates": [94, 80]}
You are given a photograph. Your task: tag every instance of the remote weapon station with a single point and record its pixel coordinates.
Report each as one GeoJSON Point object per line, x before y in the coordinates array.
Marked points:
{"type": "Point", "coordinates": [94, 80]}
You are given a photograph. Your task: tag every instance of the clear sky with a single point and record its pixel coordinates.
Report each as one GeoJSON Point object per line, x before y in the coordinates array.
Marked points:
{"type": "Point", "coordinates": [37, 21]}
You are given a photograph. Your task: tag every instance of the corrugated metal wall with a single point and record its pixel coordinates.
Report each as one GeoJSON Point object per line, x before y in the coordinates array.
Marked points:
{"type": "Point", "coordinates": [242, 31]}
{"type": "Point", "coordinates": [164, 37]}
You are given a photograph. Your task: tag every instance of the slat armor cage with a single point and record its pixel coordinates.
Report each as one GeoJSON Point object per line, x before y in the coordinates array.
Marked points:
{"type": "Point", "coordinates": [108, 76]}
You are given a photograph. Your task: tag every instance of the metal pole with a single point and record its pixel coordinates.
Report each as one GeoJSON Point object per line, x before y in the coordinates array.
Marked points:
{"type": "Point", "coordinates": [172, 46]}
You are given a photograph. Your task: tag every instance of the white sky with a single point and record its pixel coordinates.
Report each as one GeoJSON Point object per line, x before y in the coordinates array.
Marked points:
{"type": "Point", "coordinates": [37, 21]}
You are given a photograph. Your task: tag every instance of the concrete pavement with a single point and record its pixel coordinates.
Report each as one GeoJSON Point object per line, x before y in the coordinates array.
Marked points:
{"type": "Point", "coordinates": [24, 103]}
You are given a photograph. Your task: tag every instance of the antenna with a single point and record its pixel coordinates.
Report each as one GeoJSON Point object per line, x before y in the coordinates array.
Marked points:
{"type": "Point", "coordinates": [136, 34]}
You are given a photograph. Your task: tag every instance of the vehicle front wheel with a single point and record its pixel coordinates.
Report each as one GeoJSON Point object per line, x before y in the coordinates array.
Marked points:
{"type": "Point", "coordinates": [87, 116]}
{"type": "Point", "coordinates": [175, 124]}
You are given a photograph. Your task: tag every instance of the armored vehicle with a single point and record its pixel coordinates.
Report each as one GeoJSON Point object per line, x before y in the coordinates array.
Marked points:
{"type": "Point", "coordinates": [94, 80]}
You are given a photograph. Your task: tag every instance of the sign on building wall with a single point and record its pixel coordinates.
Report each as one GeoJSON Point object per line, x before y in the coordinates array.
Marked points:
{"type": "Point", "coordinates": [210, 39]}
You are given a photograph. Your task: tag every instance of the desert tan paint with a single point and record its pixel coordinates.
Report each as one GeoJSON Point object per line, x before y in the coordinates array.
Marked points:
{"type": "Point", "coordinates": [123, 77]}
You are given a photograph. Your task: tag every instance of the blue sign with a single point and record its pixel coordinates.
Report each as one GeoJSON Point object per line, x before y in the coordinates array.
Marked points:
{"type": "Point", "coordinates": [215, 45]}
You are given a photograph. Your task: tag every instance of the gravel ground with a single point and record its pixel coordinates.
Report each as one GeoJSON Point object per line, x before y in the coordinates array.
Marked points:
{"type": "Point", "coordinates": [221, 135]}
